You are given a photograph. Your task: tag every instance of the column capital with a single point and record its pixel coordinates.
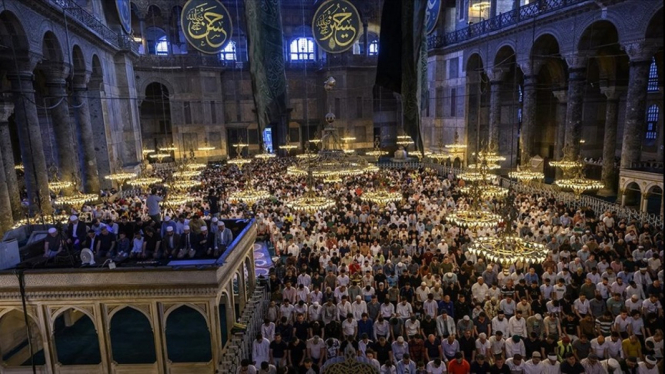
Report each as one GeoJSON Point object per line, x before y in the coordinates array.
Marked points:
{"type": "Point", "coordinates": [561, 95]}
{"type": "Point", "coordinates": [55, 71]}
{"type": "Point", "coordinates": [6, 110]}
{"type": "Point", "coordinates": [531, 67]}
{"type": "Point", "coordinates": [640, 50]}
{"type": "Point", "coordinates": [80, 80]}
{"type": "Point", "coordinates": [577, 60]}
{"type": "Point", "coordinates": [612, 92]}
{"type": "Point", "coordinates": [497, 74]}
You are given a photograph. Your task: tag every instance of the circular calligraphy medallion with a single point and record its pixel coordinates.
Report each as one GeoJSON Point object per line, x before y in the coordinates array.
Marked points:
{"type": "Point", "coordinates": [207, 25]}
{"type": "Point", "coordinates": [336, 25]}
{"type": "Point", "coordinates": [432, 15]}
{"type": "Point", "coordinates": [125, 14]}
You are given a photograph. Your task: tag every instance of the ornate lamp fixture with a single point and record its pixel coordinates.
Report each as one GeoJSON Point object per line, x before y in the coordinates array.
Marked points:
{"type": "Point", "coordinates": [239, 160]}
{"type": "Point", "coordinates": [526, 176]}
{"type": "Point", "coordinates": [168, 149]}
{"type": "Point", "coordinates": [404, 140]}
{"type": "Point", "coordinates": [77, 199]}
{"type": "Point", "coordinates": [476, 217]}
{"type": "Point", "coordinates": [159, 156]}
{"type": "Point", "coordinates": [178, 199]}
{"type": "Point", "coordinates": [574, 178]}
{"type": "Point", "coordinates": [249, 195]}
{"type": "Point", "coordinates": [288, 146]}
{"type": "Point", "coordinates": [120, 177]}
{"type": "Point", "coordinates": [187, 174]}
{"type": "Point", "coordinates": [19, 167]}
{"type": "Point", "coordinates": [376, 152]}
{"type": "Point", "coordinates": [508, 249]}
{"type": "Point", "coordinates": [195, 166]}
{"type": "Point", "coordinates": [456, 146]}
{"type": "Point", "coordinates": [309, 202]}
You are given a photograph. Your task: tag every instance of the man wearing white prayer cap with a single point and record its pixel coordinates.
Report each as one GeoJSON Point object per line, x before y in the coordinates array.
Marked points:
{"type": "Point", "coordinates": [76, 232]}
{"type": "Point", "coordinates": [52, 243]}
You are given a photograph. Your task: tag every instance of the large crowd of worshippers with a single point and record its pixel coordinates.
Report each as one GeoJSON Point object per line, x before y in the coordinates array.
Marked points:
{"type": "Point", "coordinates": [395, 287]}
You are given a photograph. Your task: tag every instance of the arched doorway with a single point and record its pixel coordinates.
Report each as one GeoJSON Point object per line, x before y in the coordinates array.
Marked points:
{"type": "Point", "coordinates": [632, 196]}
{"type": "Point", "coordinates": [654, 201]}
{"type": "Point", "coordinates": [226, 318]}
{"type": "Point", "coordinates": [187, 336]}
{"type": "Point", "coordinates": [156, 129]}
{"type": "Point", "coordinates": [15, 342]}
{"type": "Point", "coordinates": [76, 340]}
{"type": "Point", "coordinates": [132, 340]}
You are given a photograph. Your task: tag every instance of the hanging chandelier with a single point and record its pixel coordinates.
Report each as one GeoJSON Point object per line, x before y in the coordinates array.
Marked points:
{"type": "Point", "coordinates": [182, 185]}
{"type": "Point", "coordinates": [489, 191]}
{"type": "Point", "coordinates": [565, 165]}
{"type": "Point", "coordinates": [144, 182]}
{"type": "Point", "coordinates": [473, 218]}
{"type": "Point", "coordinates": [333, 178]}
{"type": "Point", "coordinates": [381, 197]}
{"type": "Point", "coordinates": [187, 174]}
{"type": "Point", "coordinates": [249, 195]}
{"type": "Point", "coordinates": [146, 151]}
{"type": "Point", "coordinates": [168, 149]}
{"type": "Point", "coordinates": [456, 146]}
{"type": "Point", "coordinates": [404, 140]}
{"type": "Point", "coordinates": [310, 203]}
{"type": "Point", "coordinates": [508, 249]}
{"type": "Point", "coordinates": [376, 152]}
{"type": "Point", "coordinates": [159, 156]}
{"type": "Point", "coordinates": [76, 199]}
{"type": "Point", "coordinates": [19, 167]}
{"type": "Point", "coordinates": [526, 175]}
{"type": "Point", "coordinates": [178, 199]}
{"type": "Point", "coordinates": [58, 186]}
{"type": "Point", "coordinates": [195, 166]}
{"type": "Point", "coordinates": [579, 185]}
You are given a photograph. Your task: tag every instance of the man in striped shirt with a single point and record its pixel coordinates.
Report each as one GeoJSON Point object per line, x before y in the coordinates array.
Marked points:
{"type": "Point", "coordinates": [604, 323]}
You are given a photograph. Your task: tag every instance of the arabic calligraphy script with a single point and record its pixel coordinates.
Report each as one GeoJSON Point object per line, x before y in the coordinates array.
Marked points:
{"type": "Point", "coordinates": [207, 25]}
{"type": "Point", "coordinates": [432, 14]}
{"type": "Point", "coordinates": [335, 25]}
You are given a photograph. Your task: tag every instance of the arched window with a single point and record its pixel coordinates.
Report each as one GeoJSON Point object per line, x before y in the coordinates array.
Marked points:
{"type": "Point", "coordinates": [652, 125]}
{"type": "Point", "coordinates": [229, 52]}
{"type": "Point", "coordinates": [653, 76]}
{"type": "Point", "coordinates": [161, 47]}
{"type": "Point", "coordinates": [374, 48]}
{"type": "Point", "coordinates": [301, 49]}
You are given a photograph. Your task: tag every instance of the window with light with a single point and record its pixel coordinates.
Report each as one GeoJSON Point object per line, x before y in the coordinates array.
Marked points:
{"type": "Point", "coordinates": [373, 47]}
{"type": "Point", "coordinates": [229, 52]}
{"type": "Point", "coordinates": [653, 76]}
{"type": "Point", "coordinates": [301, 49]}
{"type": "Point", "coordinates": [651, 133]}
{"type": "Point", "coordinates": [161, 47]}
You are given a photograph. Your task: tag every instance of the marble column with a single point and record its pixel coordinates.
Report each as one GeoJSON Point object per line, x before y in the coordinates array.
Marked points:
{"type": "Point", "coordinates": [144, 39]}
{"type": "Point", "coordinates": [82, 111]}
{"type": "Point", "coordinates": [573, 129]}
{"type": "Point", "coordinates": [7, 165]}
{"type": "Point", "coordinates": [365, 39]}
{"type": "Point", "coordinates": [610, 140]}
{"type": "Point", "coordinates": [63, 129]}
{"type": "Point", "coordinates": [30, 139]}
{"type": "Point", "coordinates": [640, 54]}
{"type": "Point", "coordinates": [6, 219]}
{"type": "Point", "coordinates": [496, 77]}
{"type": "Point", "coordinates": [562, 103]}
{"type": "Point", "coordinates": [528, 119]}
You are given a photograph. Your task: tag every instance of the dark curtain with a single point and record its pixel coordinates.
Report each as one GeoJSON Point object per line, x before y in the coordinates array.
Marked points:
{"type": "Point", "coordinates": [266, 63]}
{"type": "Point", "coordinates": [402, 62]}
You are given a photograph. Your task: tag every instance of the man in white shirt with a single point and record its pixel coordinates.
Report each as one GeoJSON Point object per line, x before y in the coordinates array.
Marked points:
{"type": "Point", "coordinates": [500, 323]}
{"type": "Point", "coordinates": [350, 326]}
{"type": "Point", "coordinates": [648, 366]}
{"type": "Point", "coordinates": [358, 308]}
{"type": "Point", "coordinates": [479, 290]}
{"type": "Point", "coordinates": [314, 312]}
{"type": "Point", "coordinates": [260, 349]}
{"type": "Point", "coordinates": [551, 365]}
{"type": "Point", "coordinates": [517, 325]}
{"type": "Point", "coordinates": [532, 366]}
{"type": "Point", "coordinates": [599, 347]}
{"type": "Point", "coordinates": [404, 310]}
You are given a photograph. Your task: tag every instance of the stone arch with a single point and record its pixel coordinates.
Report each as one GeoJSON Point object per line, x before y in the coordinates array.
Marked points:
{"type": "Point", "coordinates": [195, 307]}
{"type": "Point", "coordinates": [187, 333]}
{"type": "Point", "coordinates": [51, 49]}
{"type": "Point", "coordinates": [632, 194]}
{"type": "Point", "coordinates": [155, 79]}
{"type": "Point", "coordinates": [75, 338]}
{"type": "Point", "coordinates": [78, 60]}
{"type": "Point", "coordinates": [597, 34]}
{"type": "Point", "coordinates": [14, 340]}
{"type": "Point", "coordinates": [226, 317]}
{"type": "Point", "coordinates": [654, 29]}
{"type": "Point", "coordinates": [97, 75]}
{"type": "Point", "coordinates": [155, 112]}
{"type": "Point", "coordinates": [12, 34]}
{"type": "Point", "coordinates": [66, 308]}
{"type": "Point", "coordinates": [139, 348]}
{"type": "Point", "coordinates": [116, 310]}
{"type": "Point", "coordinates": [473, 61]}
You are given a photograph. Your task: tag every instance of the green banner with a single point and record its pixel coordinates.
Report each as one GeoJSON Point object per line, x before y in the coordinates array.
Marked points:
{"type": "Point", "coordinates": [266, 60]}
{"type": "Point", "coordinates": [336, 25]}
{"type": "Point", "coordinates": [207, 25]}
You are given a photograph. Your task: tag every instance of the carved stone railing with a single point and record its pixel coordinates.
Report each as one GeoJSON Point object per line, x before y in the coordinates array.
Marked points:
{"type": "Point", "coordinates": [74, 11]}
{"type": "Point", "coordinates": [599, 206]}
{"type": "Point", "coordinates": [501, 21]}
{"type": "Point", "coordinates": [179, 61]}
